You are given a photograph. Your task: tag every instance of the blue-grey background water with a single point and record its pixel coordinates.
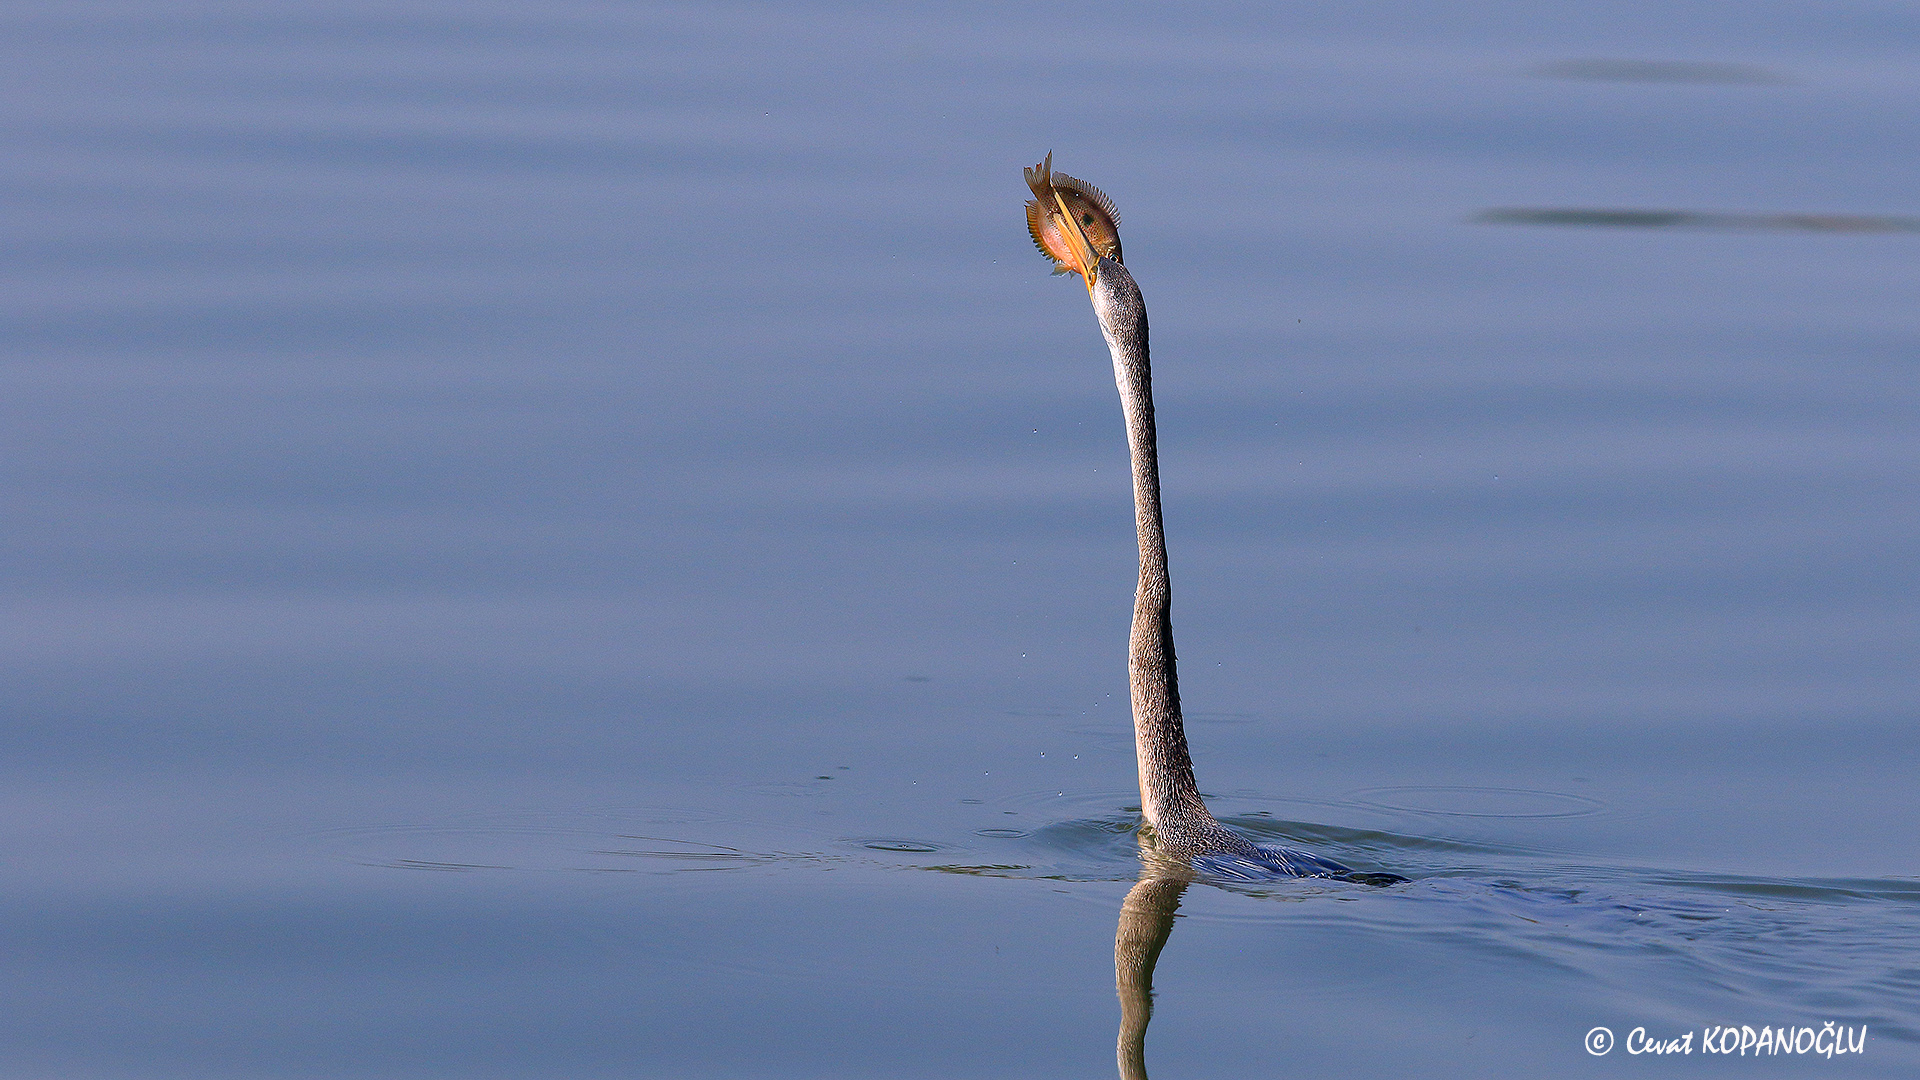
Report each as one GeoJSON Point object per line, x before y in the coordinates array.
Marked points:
{"type": "Point", "coordinates": [533, 533]}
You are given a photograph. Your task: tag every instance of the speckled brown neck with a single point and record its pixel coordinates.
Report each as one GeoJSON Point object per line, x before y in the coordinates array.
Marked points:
{"type": "Point", "coordinates": [1168, 795]}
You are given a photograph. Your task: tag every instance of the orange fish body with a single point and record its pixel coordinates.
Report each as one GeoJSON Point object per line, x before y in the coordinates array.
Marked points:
{"type": "Point", "coordinates": [1056, 196]}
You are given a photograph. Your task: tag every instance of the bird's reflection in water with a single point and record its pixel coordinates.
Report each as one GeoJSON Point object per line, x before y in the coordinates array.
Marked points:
{"type": "Point", "coordinates": [1146, 921]}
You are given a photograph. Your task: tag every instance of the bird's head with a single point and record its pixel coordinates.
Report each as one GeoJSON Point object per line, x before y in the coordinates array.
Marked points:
{"type": "Point", "coordinates": [1071, 222]}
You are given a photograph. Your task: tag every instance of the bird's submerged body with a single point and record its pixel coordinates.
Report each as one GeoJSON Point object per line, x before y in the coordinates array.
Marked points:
{"type": "Point", "coordinates": [1182, 825]}
{"type": "Point", "coordinates": [1269, 861]}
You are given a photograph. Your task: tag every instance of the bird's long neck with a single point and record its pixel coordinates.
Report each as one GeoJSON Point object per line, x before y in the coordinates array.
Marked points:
{"type": "Point", "coordinates": [1168, 795]}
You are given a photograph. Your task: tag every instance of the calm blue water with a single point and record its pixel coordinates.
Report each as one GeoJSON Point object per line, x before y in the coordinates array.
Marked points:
{"type": "Point", "coordinates": [581, 540]}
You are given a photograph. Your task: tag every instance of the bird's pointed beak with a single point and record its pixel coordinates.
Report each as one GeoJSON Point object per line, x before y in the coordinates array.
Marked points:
{"type": "Point", "coordinates": [1087, 263]}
